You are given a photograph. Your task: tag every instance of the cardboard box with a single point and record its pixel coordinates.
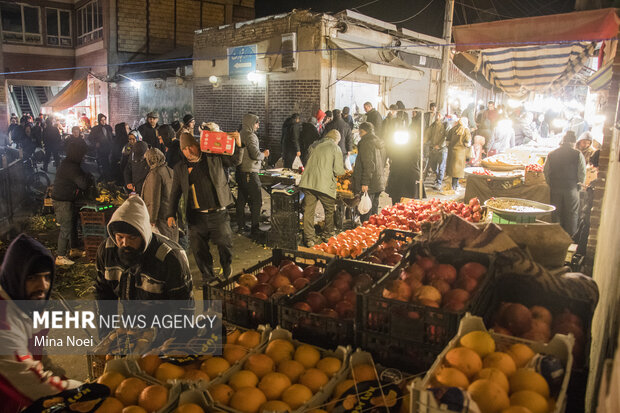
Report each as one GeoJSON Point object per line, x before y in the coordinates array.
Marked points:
{"type": "Point", "coordinates": [217, 142]}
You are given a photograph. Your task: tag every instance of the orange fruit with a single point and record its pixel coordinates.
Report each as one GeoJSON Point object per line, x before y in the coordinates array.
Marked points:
{"type": "Point", "coordinates": [521, 354]}
{"type": "Point", "coordinates": [490, 397]}
{"type": "Point", "coordinates": [273, 385]}
{"type": "Point", "coordinates": [243, 378]}
{"type": "Point", "coordinates": [234, 352]}
{"type": "Point", "coordinates": [496, 376]}
{"type": "Point", "coordinates": [248, 400]}
{"type": "Point", "coordinates": [214, 366]}
{"type": "Point", "coordinates": [129, 390]}
{"type": "Point", "coordinates": [149, 363]}
{"type": "Point", "coordinates": [279, 350]}
{"type": "Point", "coordinates": [314, 379]}
{"type": "Point", "coordinates": [529, 379]}
{"type": "Point", "coordinates": [292, 368]}
{"type": "Point", "coordinates": [260, 364]}
{"type": "Point", "coordinates": [188, 408]}
{"type": "Point", "coordinates": [464, 359]}
{"type": "Point", "coordinates": [363, 372]}
{"type": "Point", "coordinates": [111, 379]}
{"type": "Point", "coordinates": [296, 396]}
{"type": "Point", "coordinates": [329, 365]}
{"type": "Point", "coordinates": [168, 371]}
{"type": "Point", "coordinates": [249, 339]}
{"type": "Point", "coordinates": [307, 355]}
{"type": "Point", "coordinates": [110, 405]}
{"type": "Point", "coordinates": [232, 336]}
{"type": "Point", "coordinates": [196, 375]}
{"type": "Point", "coordinates": [530, 399]}
{"type": "Point", "coordinates": [275, 406]}
{"type": "Point", "coordinates": [133, 409]}
{"type": "Point", "coordinates": [153, 398]}
{"type": "Point", "coordinates": [451, 377]}
{"type": "Point", "coordinates": [221, 393]}
{"type": "Point", "coordinates": [501, 361]}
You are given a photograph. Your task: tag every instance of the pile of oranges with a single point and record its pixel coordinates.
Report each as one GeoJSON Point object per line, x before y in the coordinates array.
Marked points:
{"type": "Point", "coordinates": [343, 182]}
{"type": "Point", "coordinates": [351, 243]}
{"type": "Point", "coordinates": [283, 378]}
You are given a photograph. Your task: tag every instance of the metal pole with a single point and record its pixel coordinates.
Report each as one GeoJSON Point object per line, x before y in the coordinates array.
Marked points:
{"type": "Point", "coordinates": [421, 194]}
{"type": "Point", "coordinates": [445, 62]}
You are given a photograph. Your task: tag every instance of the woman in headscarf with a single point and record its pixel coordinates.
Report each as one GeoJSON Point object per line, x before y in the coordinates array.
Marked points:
{"type": "Point", "coordinates": [156, 193]}
{"type": "Point", "coordinates": [459, 141]}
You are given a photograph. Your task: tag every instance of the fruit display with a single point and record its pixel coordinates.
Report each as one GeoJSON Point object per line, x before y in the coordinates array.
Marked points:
{"type": "Point", "coordinates": [500, 375]}
{"type": "Point", "coordinates": [534, 167]}
{"type": "Point", "coordinates": [537, 323]}
{"type": "Point", "coordinates": [407, 216]}
{"type": "Point", "coordinates": [483, 172]}
{"type": "Point", "coordinates": [284, 376]}
{"type": "Point", "coordinates": [110, 195]}
{"type": "Point", "coordinates": [325, 313]}
{"type": "Point", "coordinates": [343, 182]}
{"type": "Point", "coordinates": [389, 248]}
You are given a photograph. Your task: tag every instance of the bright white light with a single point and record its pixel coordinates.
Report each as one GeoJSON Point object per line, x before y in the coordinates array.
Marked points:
{"type": "Point", "coordinates": [513, 103]}
{"type": "Point", "coordinates": [401, 137]}
{"type": "Point", "coordinates": [213, 79]}
{"type": "Point", "coordinates": [559, 123]}
{"type": "Point", "coordinates": [504, 124]}
{"type": "Point", "coordinates": [480, 102]}
{"type": "Point", "coordinates": [253, 77]}
{"type": "Point", "coordinates": [599, 119]}
{"type": "Point", "coordinates": [135, 84]}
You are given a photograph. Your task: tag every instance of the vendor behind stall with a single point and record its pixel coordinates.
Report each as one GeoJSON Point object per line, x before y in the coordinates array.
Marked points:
{"type": "Point", "coordinates": [584, 145]}
{"type": "Point", "coordinates": [369, 167]}
{"type": "Point", "coordinates": [27, 273]}
{"type": "Point", "coordinates": [319, 183]}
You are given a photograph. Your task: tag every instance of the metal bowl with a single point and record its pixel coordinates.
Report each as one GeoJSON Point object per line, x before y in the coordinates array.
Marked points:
{"type": "Point", "coordinates": [541, 208]}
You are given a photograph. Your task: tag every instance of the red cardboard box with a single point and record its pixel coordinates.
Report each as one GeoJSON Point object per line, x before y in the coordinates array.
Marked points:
{"type": "Point", "coordinates": [217, 142]}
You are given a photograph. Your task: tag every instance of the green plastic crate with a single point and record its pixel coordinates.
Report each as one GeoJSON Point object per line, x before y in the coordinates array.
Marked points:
{"type": "Point", "coordinates": [512, 218]}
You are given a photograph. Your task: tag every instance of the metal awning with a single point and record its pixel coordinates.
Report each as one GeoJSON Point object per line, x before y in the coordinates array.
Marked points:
{"type": "Point", "coordinates": [379, 61]}
{"type": "Point", "coordinates": [72, 94]}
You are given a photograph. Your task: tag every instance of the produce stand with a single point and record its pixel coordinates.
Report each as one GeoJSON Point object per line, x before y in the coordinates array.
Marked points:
{"type": "Point", "coordinates": [483, 188]}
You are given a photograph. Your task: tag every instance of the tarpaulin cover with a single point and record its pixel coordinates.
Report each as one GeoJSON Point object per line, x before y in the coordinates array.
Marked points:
{"type": "Point", "coordinates": [579, 26]}
{"type": "Point", "coordinates": [72, 94]}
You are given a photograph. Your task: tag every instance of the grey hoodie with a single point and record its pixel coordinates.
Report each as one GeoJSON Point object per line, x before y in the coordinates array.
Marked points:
{"type": "Point", "coordinates": [157, 185]}
{"type": "Point", "coordinates": [133, 211]}
{"type": "Point", "coordinates": [252, 155]}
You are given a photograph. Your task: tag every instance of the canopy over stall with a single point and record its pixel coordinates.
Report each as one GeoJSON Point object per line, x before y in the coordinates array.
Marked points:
{"type": "Point", "coordinates": [536, 54]}
{"type": "Point", "coordinates": [72, 94]}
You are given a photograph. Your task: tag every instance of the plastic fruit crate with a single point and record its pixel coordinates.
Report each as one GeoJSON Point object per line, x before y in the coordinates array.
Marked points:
{"type": "Point", "coordinates": [387, 235]}
{"type": "Point", "coordinates": [322, 329]}
{"type": "Point", "coordinates": [423, 401]}
{"type": "Point", "coordinates": [417, 323]}
{"type": "Point", "coordinates": [92, 230]}
{"type": "Point", "coordinates": [91, 245]}
{"type": "Point", "coordinates": [93, 218]}
{"type": "Point", "coordinates": [248, 311]}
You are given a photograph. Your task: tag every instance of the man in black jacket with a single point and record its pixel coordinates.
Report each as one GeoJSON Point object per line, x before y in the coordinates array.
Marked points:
{"type": "Point", "coordinates": [308, 135]}
{"type": "Point", "coordinates": [374, 117]}
{"type": "Point", "coordinates": [52, 142]}
{"type": "Point", "coordinates": [148, 131]}
{"type": "Point", "coordinates": [290, 140]}
{"type": "Point", "coordinates": [102, 137]}
{"type": "Point", "coordinates": [201, 179]}
{"type": "Point", "coordinates": [346, 136]}
{"type": "Point", "coordinates": [70, 180]}
{"type": "Point", "coordinates": [369, 166]}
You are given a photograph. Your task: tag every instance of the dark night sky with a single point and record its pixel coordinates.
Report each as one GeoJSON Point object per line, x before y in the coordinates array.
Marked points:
{"type": "Point", "coordinates": [429, 20]}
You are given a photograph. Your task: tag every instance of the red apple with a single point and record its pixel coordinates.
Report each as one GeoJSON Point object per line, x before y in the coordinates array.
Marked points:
{"type": "Point", "coordinates": [263, 277]}
{"type": "Point", "coordinates": [242, 289]}
{"type": "Point", "coordinates": [426, 263]}
{"type": "Point", "coordinates": [332, 295]}
{"type": "Point", "coordinates": [301, 283]}
{"type": "Point", "coordinates": [473, 269]}
{"type": "Point", "coordinates": [344, 274]}
{"type": "Point", "coordinates": [279, 280]}
{"type": "Point", "coordinates": [285, 262]}
{"type": "Point", "coordinates": [342, 285]}
{"type": "Point", "coordinates": [292, 272]}
{"type": "Point", "coordinates": [263, 288]}
{"type": "Point", "coordinates": [303, 306]}
{"type": "Point", "coordinates": [350, 296]}
{"type": "Point", "coordinates": [345, 309]}
{"type": "Point", "coordinates": [271, 270]}
{"type": "Point", "coordinates": [329, 313]}
{"type": "Point", "coordinates": [316, 300]}
{"type": "Point", "coordinates": [260, 295]}
{"type": "Point", "coordinates": [441, 285]}
{"type": "Point", "coordinates": [310, 270]}
{"type": "Point", "coordinates": [467, 283]}
{"type": "Point", "coordinates": [286, 289]}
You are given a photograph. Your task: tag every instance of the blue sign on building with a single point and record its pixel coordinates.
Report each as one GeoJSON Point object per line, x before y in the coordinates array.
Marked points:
{"type": "Point", "coordinates": [241, 60]}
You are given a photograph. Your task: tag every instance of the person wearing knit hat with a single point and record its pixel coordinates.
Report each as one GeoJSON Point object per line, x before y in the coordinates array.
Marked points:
{"type": "Point", "coordinates": [200, 178]}
{"type": "Point", "coordinates": [136, 169]}
{"type": "Point", "coordinates": [318, 183]}
{"type": "Point", "coordinates": [188, 125]}
{"type": "Point", "coordinates": [148, 131]}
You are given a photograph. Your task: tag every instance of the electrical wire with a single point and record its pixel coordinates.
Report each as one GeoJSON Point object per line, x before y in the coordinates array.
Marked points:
{"type": "Point", "coordinates": [415, 15]}
{"type": "Point", "coordinates": [485, 11]}
{"type": "Point", "coordinates": [364, 5]}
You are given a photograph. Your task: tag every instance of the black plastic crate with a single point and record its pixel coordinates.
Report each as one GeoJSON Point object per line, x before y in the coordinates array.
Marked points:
{"type": "Point", "coordinates": [248, 311]}
{"type": "Point", "coordinates": [387, 235]}
{"type": "Point", "coordinates": [400, 354]}
{"type": "Point", "coordinates": [321, 329]}
{"type": "Point", "coordinates": [417, 323]}
{"type": "Point", "coordinates": [525, 290]}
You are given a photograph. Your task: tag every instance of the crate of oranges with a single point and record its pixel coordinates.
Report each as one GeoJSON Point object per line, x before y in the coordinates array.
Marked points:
{"type": "Point", "coordinates": [284, 375]}
{"type": "Point", "coordinates": [496, 373]}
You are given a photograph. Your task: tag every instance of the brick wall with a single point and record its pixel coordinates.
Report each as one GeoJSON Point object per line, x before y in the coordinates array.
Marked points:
{"type": "Point", "coordinates": [124, 103]}
{"type": "Point", "coordinates": [131, 27]}
{"type": "Point", "coordinates": [161, 29]}
{"type": "Point", "coordinates": [188, 20]}
{"type": "Point", "coordinates": [227, 104]}
{"type": "Point", "coordinates": [213, 14]}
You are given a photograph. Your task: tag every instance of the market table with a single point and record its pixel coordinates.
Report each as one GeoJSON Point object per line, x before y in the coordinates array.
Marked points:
{"type": "Point", "coordinates": [482, 187]}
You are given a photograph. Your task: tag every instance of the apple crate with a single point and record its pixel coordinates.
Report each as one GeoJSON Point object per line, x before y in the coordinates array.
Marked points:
{"type": "Point", "coordinates": [416, 323]}
{"type": "Point", "coordinates": [322, 329]}
{"type": "Point", "coordinates": [248, 311]}
{"type": "Point", "coordinates": [423, 401]}
{"type": "Point", "coordinates": [387, 235]}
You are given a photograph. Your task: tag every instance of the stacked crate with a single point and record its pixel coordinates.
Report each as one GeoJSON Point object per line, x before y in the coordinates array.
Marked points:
{"type": "Point", "coordinates": [285, 210]}
{"type": "Point", "coordinates": [94, 231]}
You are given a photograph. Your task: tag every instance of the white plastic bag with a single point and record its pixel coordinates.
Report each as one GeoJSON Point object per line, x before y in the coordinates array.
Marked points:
{"type": "Point", "coordinates": [297, 163]}
{"type": "Point", "coordinates": [365, 204]}
{"type": "Point", "coordinates": [347, 163]}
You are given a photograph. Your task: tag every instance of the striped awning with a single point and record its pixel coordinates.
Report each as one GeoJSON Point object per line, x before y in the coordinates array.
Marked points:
{"type": "Point", "coordinates": [601, 79]}
{"type": "Point", "coordinates": [539, 68]}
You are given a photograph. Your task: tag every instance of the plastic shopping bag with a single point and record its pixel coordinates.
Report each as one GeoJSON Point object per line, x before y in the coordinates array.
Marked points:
{"type": "Point", "coordinates": [365, 204]}
{"type": "Point", "coordinates": [347, 163]}
{"type": "Point", "coordinates": [297, 163]}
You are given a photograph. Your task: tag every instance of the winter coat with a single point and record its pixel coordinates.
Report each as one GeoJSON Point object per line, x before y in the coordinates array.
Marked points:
{"type": "Point", "coordinates": [346, 136]}
{"type": "Point", "coordinates": [157, 185]}
{"type": "Point", "coordinates": [51, 138]}
{"type": "Point", "coordinates": [404, 169]}
{"type": "Point", "coordinates": [290, 138]}
{"type": "Point", "coordinates": [137, 169]}
{"type": "Point", "coordinates": [174, 154]}
{"type": "Point", "coordinates": [324, 165]}
{"type": "Point", "coordinates": [160, 273]}
{"type": "Point", "coordinates": [435, 135]}
{"type": "Point", "coordinates": [25, 375]}
{"type": "Point", "coordinates": [149, 135]}
{"type": "Point", "coordinates": [390, 125]}
{"type": "Point", "coordinates": [217, 165]}
{"type": "Point", "coordinates": [565, 167]}
{"type": "Point", "coordinates": [309, 134]}
{"type": "Point", "coordinates": [525, 132]}
{"type": "Point", "coordinates": [252, 156]}
{"type": "Point", "coordinates": [374, 117]}
{"type": "Point", "coordinates": [103, 141]}
{"type": "Point", "coordinates": [459, 141]}
{"type": "Point", "coordinates": [70, 178]}
{"type": "Point", "coordinates": [369, 165]}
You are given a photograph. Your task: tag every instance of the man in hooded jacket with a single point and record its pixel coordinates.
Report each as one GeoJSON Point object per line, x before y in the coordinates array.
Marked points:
{"type": "Point", "coordinates": [136, 169]}
{"type": "Point", "coordinates": [247, 176]}
{"type": "Point", "coordinates": [156, 193]}
{"type": "Point", "coordinates": [102, 137]}
{"type": "Point", "coordinates": [369, 167]}
{"type": "Point", "coordinates": [27, 273]}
